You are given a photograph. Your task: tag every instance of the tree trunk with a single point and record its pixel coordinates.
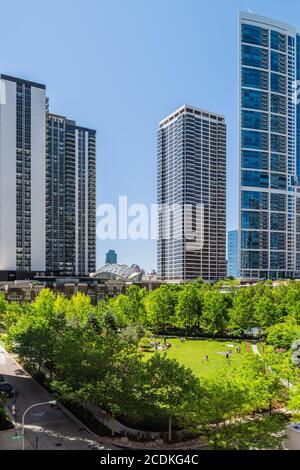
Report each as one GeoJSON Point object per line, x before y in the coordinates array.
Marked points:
{"type": "Point", "coordinates": [170, 428]}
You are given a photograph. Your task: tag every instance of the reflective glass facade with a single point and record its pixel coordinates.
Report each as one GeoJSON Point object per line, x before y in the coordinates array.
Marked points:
{"type": "Point", "coordinates": [269, 66]}
{"type": "Point", "coordinates": [232, 259]}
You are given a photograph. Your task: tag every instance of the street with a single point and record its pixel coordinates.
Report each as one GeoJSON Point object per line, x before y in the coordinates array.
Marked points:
{"type": "Point", "coordinates": [46, 426]}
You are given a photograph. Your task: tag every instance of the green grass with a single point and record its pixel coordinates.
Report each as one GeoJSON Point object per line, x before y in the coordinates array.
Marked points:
{"type": "Point", "coordinates": [192, 353]}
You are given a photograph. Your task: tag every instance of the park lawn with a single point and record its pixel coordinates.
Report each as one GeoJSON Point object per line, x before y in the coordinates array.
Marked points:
{"type": "Point", "coordinates": [192, 353]}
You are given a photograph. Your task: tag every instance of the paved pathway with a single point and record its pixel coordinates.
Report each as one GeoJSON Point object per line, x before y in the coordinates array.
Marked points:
{"type": "Point", "coordinates": [46, 427]}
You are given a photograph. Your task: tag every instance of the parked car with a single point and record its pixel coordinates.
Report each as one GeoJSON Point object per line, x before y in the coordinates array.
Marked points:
{"type": "Point", "coordinates": [6, 389]}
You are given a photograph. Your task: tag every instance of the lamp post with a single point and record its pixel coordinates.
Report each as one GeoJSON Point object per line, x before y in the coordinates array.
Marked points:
{"type": "Point", "coordinates": [52, 402]}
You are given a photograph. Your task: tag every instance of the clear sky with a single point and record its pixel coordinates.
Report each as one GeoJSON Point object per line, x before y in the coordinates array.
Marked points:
{"type": "Point", "coordinates": [120, 66]}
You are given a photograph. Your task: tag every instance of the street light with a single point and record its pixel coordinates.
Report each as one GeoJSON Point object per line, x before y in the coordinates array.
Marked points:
{"type": "Point", "coordinates": [52, 402]}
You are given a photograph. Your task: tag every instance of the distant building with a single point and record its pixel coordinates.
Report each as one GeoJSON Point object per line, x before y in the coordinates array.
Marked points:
{"type": "Point", "coordinates": [111, 257]}
{"type": "Point", "coordinates": [233, 244]}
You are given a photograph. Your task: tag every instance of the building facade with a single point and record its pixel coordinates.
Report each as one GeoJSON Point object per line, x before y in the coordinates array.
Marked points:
{"type": "Point", "coordinates": [232, 254]}
{"type": "Point", "coordinates": [71, 198]}
{"type": "Point", "coordinates": [47, 187]}
{"type": "Point", "coordinates": [191, 187]}
{"type": "Point", "coordinates": [111, 257]}
{"type": "Point", "coordinates": [269, 223]}
{"type": "Point", "coordinates": [22, 177]}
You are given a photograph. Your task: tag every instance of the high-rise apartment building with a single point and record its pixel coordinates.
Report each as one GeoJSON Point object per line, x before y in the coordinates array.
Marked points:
{"type": "Point", "coordinates": [47, 187]}
{"type": "Point", "coordinates": [22, 177]}
{"type": "Point", "coordinates": [70, 197]}
{"type": "Point", "coordinates": [111, 257]}
{"type": "Point", "coordinates": [191, 184]}
{"type": "Point", "coordinates": [269, 219]}
{"type": "Point", "coordinates": [232, 250]}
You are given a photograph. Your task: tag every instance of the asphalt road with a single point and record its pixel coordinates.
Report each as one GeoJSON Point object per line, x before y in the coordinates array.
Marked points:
{"type": "Point", "coordinates": [46, 427]}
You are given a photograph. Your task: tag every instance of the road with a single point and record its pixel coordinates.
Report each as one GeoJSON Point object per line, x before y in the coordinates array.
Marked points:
{"type": "Point", "coordinates": [46, 427]}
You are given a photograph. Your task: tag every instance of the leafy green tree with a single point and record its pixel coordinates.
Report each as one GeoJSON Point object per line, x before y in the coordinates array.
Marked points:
{"type": "Point", "coordinates": [266, 312]}
{"type": "Point", "coordinates": [34, 334]}
{"type": "Point", "coordinates": [171, 388]}
{"type": "Point", "coordinates": [241, 316]}
{"type": "Point", "coordinates": [3, 307]}
{"type": "Point", "coordinates": [253, 434]}
{"type": "Point", "coordinates": [131, 306]}
{"type": "Point", "coordinates": [214, 314]}
{"type": "Point", "coordinates": [264, 384]}
{"type": "Point", "coordinates": [189, 306]}
{"type": "Point", "coordinates": [109, 321]}
{"type": "Point", "coordinates": [294, 401]}
{"type": "Point", "coordinates": [160, 306]}
{"type": "Point", "coordinates": [283, 334]}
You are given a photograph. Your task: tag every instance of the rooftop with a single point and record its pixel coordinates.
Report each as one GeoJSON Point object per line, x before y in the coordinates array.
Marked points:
{"type": "Point", "coordinates": [192, 110]}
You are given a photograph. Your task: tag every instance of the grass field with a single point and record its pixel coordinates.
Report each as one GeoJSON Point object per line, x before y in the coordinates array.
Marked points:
{"type": "Point", "coordinates": [192, 353]}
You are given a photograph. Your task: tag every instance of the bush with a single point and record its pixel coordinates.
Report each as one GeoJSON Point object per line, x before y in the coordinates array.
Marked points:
{"type": "Point", "coordinates": [283, 335]}
{"type": "Point", "coordinates": [145, 343]}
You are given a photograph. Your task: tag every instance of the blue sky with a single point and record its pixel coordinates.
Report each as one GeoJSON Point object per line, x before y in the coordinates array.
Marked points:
{"type": "Point", "coordinates": [120, 66]}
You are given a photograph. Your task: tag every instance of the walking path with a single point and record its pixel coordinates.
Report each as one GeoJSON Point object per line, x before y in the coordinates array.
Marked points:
{"type": "Point", "coordinates": [46, 427]}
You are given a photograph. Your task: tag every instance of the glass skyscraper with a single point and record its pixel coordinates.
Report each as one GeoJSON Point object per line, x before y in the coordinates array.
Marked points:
{"type": "Point", "coordinates": [233, 250]}
{"type": "Point", "coordinates": [269, 224]}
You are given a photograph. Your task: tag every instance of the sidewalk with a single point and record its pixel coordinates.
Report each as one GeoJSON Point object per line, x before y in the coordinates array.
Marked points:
{"type": "Point", "coordinates": [46, 427]}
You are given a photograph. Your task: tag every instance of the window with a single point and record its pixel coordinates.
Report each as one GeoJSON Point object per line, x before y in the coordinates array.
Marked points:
{"type": "Point", "coordinates": [277, 241]}
{"type": "Point", "coordinates": [255, 57]}
{"type": "Point", "coordinates": [278, 83]}
{"type": "Point", "coordinates": [255, 220]}
{"type": "Point", "coordinates": [253, 99]}
{"type": "Point", "coordinates": [254, 200]}
{"type": "Point", "coordinates": [278, 221]}
{"type": "Point", "coordinates": [255, 178]}
{"type": "Point", "coordinates": [277, 260]}
{"type": "Point", "coordinates": [254, 78]}
{"type": "Point", "coordinates": [278, 124]}
{"type": "Point", "coordinates": [254, 120]}
{"type": "Point", "coordinates": [278, 181]}
{"type": "Point", "coordinates": [255, 140]}
{"type": "Point", "coordinates": [278, 41]}
{"type": "Point", "coordinates": [254, 240]}
{"type": "Point", "coordinates": [278, 202]}
{"type": "Point", "coordinates": [255, 35]}
{"type": "Point", "coordinates": [255, 160]}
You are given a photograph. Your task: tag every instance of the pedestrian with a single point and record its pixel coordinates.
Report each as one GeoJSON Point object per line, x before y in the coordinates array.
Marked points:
{"type": "Point", "coordinates": [206, 357]}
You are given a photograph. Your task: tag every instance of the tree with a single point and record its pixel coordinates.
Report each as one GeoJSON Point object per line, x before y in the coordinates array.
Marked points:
{"type": "Point", "coordinates": [253, 434]}
{"type": "Point", "coordinates": [294, 401]}
{"type": "Point", "coordinates": [3, 307]}
{"type": "Point", "coordinates": [109, 321]}
{"type": "Point", "coordinates": [189, 306]}
{"type": "Point", "coordinates": [160, 306]}
{"type": "Point", "coordinates": [34, 334]}
{"type": "Point", "coordinates": [131, 306]}
{"type": "Point", "coordinates": [241, 315]}
{"type": "Point", "coordinates": [283, 334]}
{"type": "Point", "coordinates": [266, 312]}
{"type": "Point", "coordinates": [214, 315]}
{"type": "Point", "coordinates": [264, 384]}
{"type": "Point", "coordinates": [171, 388]}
